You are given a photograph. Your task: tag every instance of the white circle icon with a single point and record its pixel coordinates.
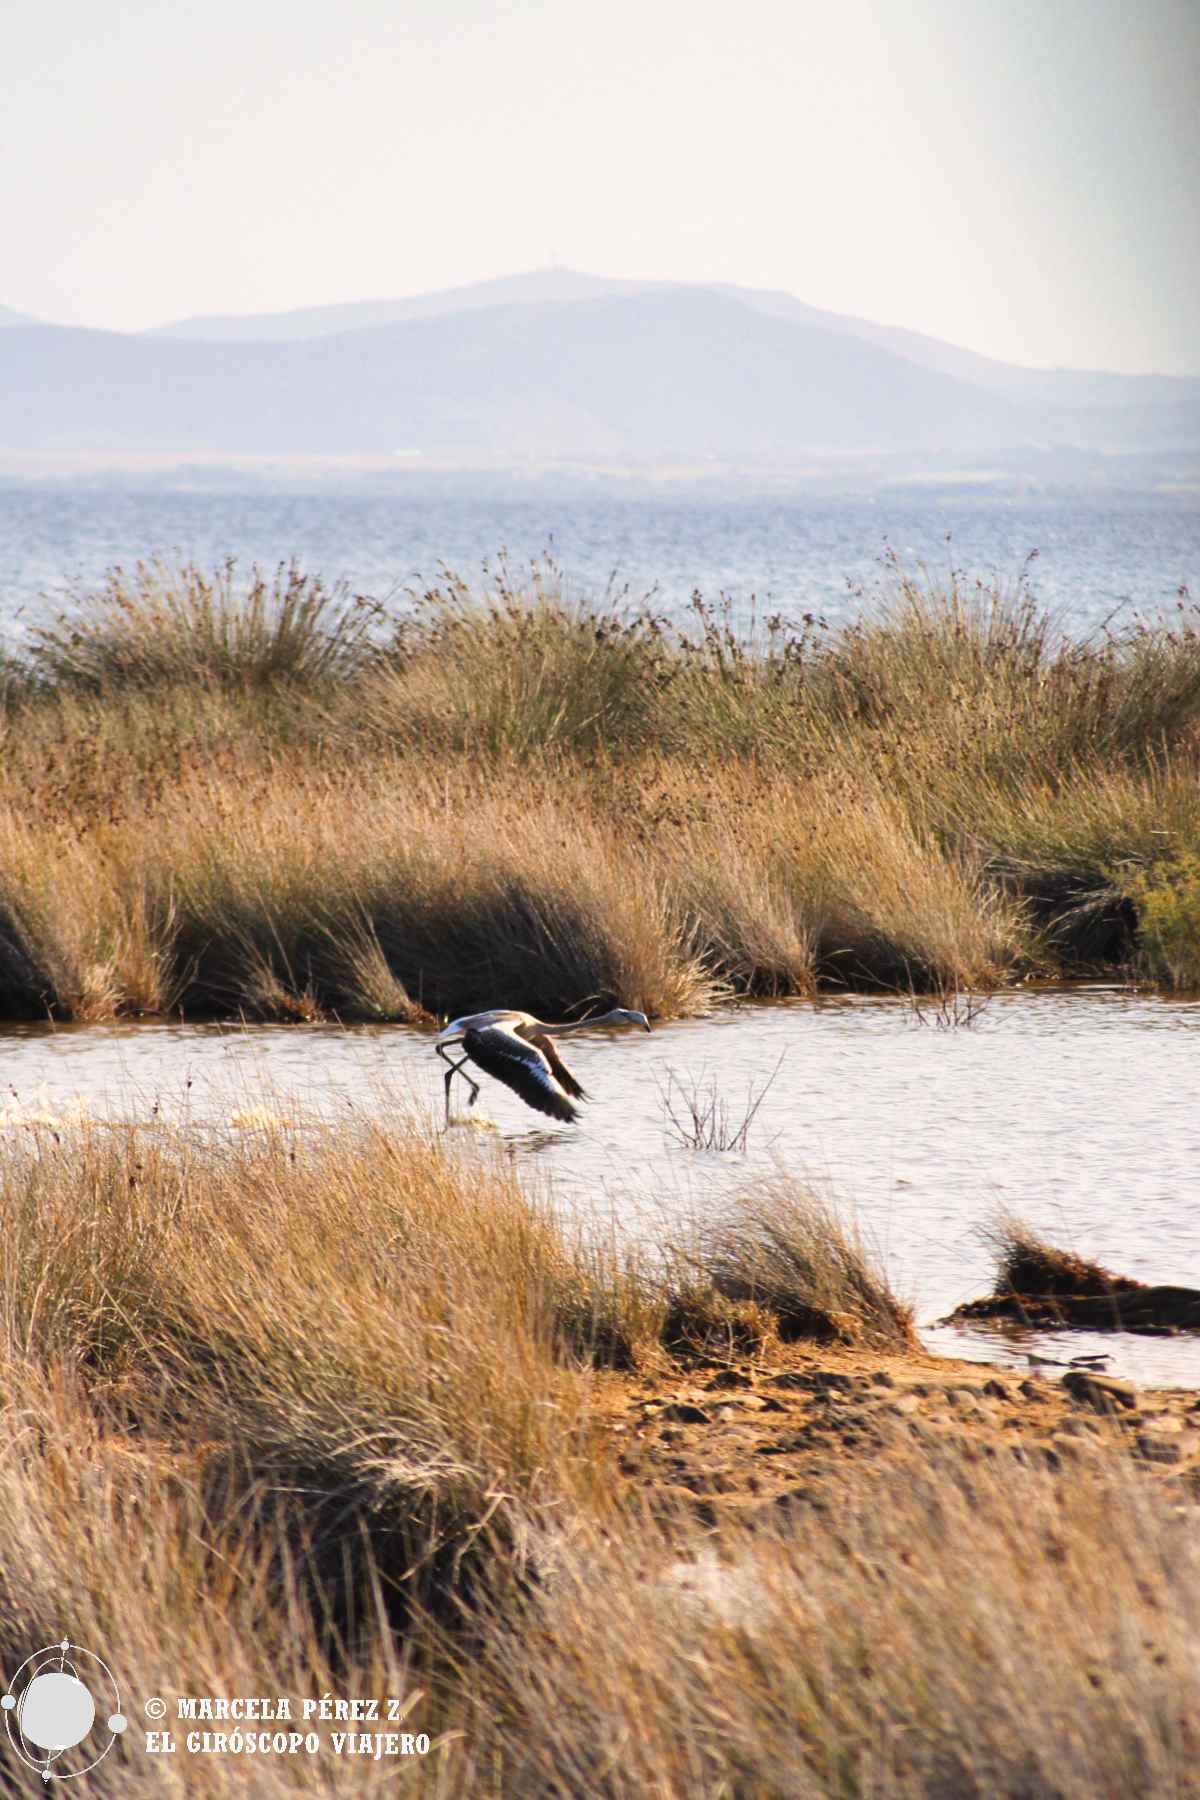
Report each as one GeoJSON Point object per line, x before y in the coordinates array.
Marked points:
{"type": "Point", "coordinates": [50, 1711]}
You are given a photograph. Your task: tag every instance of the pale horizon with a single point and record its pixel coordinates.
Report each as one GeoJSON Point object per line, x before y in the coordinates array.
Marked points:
{"type": "Point", "coordinates": [1017, 181]}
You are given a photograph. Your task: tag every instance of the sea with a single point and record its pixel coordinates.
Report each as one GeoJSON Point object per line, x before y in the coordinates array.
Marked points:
{"type": "Point", "coordinates": [1093, 560]}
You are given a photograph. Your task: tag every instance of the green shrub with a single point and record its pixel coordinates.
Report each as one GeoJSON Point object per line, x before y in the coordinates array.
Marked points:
{"type": "Point", "coordinates": [1167, 897]}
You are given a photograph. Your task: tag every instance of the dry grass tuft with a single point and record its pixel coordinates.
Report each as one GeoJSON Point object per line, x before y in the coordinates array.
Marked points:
{"type": "Point", "coordinates": [1027, 1265]}
{"type": "Point", "coordinates": [783, 1250]}
{"type": "Point", "coordinates": [384, 1402]}
{"type": "Point", "coordinates": [155, 626]}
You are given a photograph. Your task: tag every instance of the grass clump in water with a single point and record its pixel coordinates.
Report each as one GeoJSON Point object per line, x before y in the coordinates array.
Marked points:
{"type": "Point", "coordinates": [1028, 1264]}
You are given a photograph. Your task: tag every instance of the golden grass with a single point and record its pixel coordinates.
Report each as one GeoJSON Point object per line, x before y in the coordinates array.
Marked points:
{"type": "Point", "coordinates": [241, 803]}
{"type": "Point", "coordinates": [153, 626]}
{"type": "Point", "coordinates": [779, 1247]}
{"type": "Point", "coordinates": [944, 1627]}
{"type": "Point", "coordinates": [314, 1413]}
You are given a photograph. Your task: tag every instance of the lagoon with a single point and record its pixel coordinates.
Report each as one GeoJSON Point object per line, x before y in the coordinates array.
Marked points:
{"type": "Point", "coordinates": [1077, 1109]}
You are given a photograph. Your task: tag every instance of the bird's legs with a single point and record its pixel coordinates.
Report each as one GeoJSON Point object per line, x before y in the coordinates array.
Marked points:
{"type": "Point", "coordinates": [456, 1068]}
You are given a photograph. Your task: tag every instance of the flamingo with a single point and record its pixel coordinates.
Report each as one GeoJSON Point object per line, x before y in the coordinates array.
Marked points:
{"type": "Point", "coordinates": [518, 1050]}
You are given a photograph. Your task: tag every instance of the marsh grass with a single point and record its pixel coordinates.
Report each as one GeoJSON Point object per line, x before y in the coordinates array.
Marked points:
{"type": "Point", "coordinates": [1166, 899]}
{"type": "Point", "coordinates": [510, 672]}
{"type": "Point", "coordinates": [782, 1249]}
{"type": "Point", "coordinates": [264, 800]}
{"type": "Point", "coordinates": [357, 1367]}
{"type": "Point", "coordinates": [313, 1413]}
{"type": "Point", "coordinates": [155, 626]}
{"type": "Point", "coordinates": [366, 1356]}
{"type": "Point", "coordinates": [952, 1627]}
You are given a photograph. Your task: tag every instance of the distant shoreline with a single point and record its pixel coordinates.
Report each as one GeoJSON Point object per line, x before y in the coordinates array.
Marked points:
{"type": "Point", "coordinates": [1165, 475]}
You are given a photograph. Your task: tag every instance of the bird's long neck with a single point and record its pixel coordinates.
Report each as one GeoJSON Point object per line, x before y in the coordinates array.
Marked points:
{"type": "Point", "coordinates": [615, 1017]}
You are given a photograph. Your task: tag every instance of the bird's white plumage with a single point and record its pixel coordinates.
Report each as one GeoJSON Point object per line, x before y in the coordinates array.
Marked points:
{"type": "Point", "coordinates": [458, 1028]}
{"type": "Point", "coordinates": [519, 1051]}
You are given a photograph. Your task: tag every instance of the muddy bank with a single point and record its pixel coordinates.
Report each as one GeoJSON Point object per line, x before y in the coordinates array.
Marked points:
{"type": "Point", "coordinates": [1041, 1286]}
{"type": "Point", "coordinates": [1148, 1311]}
{"type": "Point", "coordinates": [754, 1437]}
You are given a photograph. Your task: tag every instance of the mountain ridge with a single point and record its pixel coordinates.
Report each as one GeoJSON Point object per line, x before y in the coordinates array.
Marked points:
{"type": "Point", "coordinates": [565, 285]}
{"type": "Point", "coordinates": [669, 370]}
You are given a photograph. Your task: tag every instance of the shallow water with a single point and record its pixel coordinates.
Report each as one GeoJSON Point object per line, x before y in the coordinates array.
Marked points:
{"type": "Point", "coordinates": [1077, 1110]}
{"type": "Point", "coordinates": [1099, 556]}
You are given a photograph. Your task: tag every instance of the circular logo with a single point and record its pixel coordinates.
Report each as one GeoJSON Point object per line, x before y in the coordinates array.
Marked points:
{"type": "Point", "coordinates": [50, 1711]}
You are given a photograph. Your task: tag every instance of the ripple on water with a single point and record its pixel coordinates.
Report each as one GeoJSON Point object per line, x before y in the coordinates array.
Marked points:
{"type": "Point", "coordinates": [1075, 1109]}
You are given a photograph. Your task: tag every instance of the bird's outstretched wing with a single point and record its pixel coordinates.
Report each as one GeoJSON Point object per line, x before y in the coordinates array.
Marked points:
{"type": "Point", "coordinates": [558, 1067]}
{"type": "Point", "coordinates": [522, 1066]}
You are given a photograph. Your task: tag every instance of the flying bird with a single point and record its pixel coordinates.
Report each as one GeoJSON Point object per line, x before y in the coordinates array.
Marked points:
{"type": "Point", "coordinates": [519, 1051]}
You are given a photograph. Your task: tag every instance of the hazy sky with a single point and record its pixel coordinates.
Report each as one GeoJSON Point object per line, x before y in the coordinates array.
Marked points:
{"type": "Point", "coordinates": [1018, 176]}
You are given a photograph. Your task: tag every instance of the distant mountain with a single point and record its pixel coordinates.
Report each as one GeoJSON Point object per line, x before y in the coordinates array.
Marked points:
{"type": "Point", "coordinates": [9, 317]}
{"type": "Point", "coordinates": [322, 321]}
{"type": "Point", "coordinates": [638, 372]}
{"type": "Point", "coordinates": [1066, 387]}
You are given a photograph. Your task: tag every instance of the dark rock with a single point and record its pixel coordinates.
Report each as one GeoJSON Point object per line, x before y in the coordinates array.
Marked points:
{"type": "Point", "coordinates": [682, 1412]}
{"type": "Point", "coordinates": [819, 1381]}
{"type": "Point", "coordinates": [1158, 1449]}
{"type": "Point", "coordinates": [1099, 1391]}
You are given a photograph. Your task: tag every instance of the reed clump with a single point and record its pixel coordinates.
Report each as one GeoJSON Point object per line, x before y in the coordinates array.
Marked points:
{"type": "Point", "coordinates": [779, 1247]}
{"type": "Point", "coordinates": [261, 799]}
{"type": "Point", "coordinates": [1027, 1264]}
{"type": "Point", "coordinates": [156, 626]}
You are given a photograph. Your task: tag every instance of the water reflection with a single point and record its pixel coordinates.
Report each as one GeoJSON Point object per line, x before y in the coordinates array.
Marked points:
{"type": "Point", "coordinates": [1077, 1110]}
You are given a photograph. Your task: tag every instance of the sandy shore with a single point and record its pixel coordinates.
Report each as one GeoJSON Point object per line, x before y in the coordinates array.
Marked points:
{"type": "Point", "coordinates": [748, 1435]}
